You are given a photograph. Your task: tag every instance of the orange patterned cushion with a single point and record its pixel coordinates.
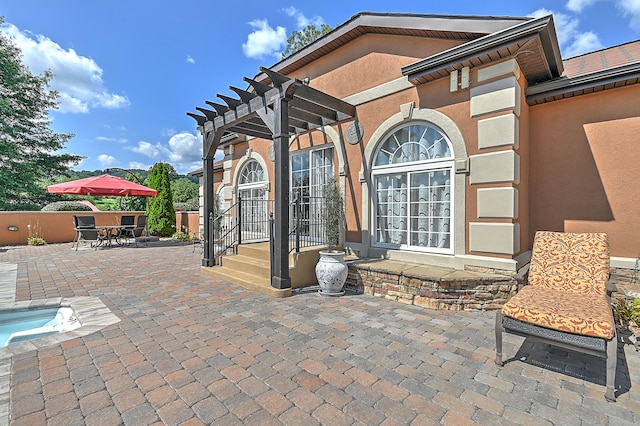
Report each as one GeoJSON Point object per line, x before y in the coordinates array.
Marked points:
{"type": "Point", "coordinates": [560, 310]}
{"type": "Point", "coordinates": [567, 285]}
{"type": "Point", "coordinates": [577, 263]}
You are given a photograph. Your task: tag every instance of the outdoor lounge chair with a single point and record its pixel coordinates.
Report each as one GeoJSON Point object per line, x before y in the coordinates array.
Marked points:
{"type": "Point", "coordinates": [86, 230]}
{"type": "Point", "coordinates": [567, 300]}
{"type": "Point", "coordinates": [136, 231]}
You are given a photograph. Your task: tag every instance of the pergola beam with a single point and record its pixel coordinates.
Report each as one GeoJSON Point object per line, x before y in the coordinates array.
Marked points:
{"type": "Point", "coordinates": [274, 112]}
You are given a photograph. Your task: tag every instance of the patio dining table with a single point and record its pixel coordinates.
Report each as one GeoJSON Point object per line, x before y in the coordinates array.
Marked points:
{"type": "Point", "coordinates": [111, 232]}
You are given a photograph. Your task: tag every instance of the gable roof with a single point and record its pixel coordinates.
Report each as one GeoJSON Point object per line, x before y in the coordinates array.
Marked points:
{"type": "Point", "coordinates": [603, 69]}
{"type": "Point", "coordinates": [457, 27]}
{"type": "Point", "coordinates": [533, 43]}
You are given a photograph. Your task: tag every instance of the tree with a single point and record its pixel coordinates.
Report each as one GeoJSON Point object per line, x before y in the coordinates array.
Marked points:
{"type": "Point", "coordinates": [27, 143]}
{"type": "Point", "coordinates": [130, 204]}
{"type": "Point", "coordinates": [162, 217]}
{"type": "Point", "coordinates": [184, 190]}
{"type": "Point", "coordinates": [299, 39]}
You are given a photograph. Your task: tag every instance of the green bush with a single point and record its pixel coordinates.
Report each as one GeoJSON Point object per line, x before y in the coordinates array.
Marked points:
{"type": "Point", "coordinates": [66, 206]}
{"type": "Point", "coordinates": [188, 206]}
{"type": "Point", "coordinates": [181, 236]}
{"type": "Point", "coordinates": [162, 216]}
{"type": "Point", "coordinates": [627, 311]}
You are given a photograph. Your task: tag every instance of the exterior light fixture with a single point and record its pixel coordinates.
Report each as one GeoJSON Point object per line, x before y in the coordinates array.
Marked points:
{"type": "Point", "coordinates": [12, 228]}
{"type": "Point", "coordinates": [459, 79]}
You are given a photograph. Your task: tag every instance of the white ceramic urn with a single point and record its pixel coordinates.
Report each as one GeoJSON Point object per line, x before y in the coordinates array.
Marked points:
{"type": "Point", "coordinates": [331, 272]}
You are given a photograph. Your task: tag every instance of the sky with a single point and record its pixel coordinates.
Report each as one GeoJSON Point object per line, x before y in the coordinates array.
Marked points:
{"type": "Point", "coordinates": [127, 72]}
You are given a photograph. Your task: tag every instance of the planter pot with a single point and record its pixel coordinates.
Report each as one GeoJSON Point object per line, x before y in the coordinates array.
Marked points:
{"type": "Point", "coordinates": [331, 272]}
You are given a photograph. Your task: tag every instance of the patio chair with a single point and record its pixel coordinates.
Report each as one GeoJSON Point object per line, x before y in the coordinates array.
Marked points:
{"type": "Point", "coordinates": [127, 222]}
{"type": "Point", "coordinates": [85, 227]}
{"type": "Point", "coordinates": [136, 231]}
{"type": "Point", "coordinates": [567, 300]}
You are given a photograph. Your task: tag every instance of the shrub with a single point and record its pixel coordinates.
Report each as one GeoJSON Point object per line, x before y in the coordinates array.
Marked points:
{"type": "Point", "coordinates": [66, 206]}
{"type": "Point", "coordinates": [187, 206]}
{"type": "Point", "coordinates": [627, 311]}
{"type": "Point", "coordinates": [34, 238]}
{"type": "Point", "coordinates": [181, 236]}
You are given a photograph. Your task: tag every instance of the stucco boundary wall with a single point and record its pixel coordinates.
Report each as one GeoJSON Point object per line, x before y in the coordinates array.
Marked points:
{"type": "Point", "coordinates": [57, 227]}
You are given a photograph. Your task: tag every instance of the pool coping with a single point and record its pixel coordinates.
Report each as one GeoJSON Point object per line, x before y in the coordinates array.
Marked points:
{"type": "Point", "coordinates": [92, 313]}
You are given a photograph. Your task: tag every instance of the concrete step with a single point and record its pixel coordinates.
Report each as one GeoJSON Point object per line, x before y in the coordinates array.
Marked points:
{"type": "Point", "coordinates": [247, 264]}
{"type": "Point", "coordinates": [250, 268]}
{"type": "Point", "coordinates": [248, 281]}
{"type": "Point", "coordinates": [255, 251]}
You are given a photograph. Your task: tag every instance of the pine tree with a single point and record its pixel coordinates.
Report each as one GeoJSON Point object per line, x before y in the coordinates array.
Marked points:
{"type": "Point", "coordinates": [27, 143]}
{"type": "Point", "coordinates": [162, 216]}
{"type": "Point", "coordinates": [307, 35]}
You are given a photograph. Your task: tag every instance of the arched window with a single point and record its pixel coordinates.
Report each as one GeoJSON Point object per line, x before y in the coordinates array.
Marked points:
{"type": "Point", "coordinates": [252, 172]}
{"type": "Point", "coordinates": [412, 174]}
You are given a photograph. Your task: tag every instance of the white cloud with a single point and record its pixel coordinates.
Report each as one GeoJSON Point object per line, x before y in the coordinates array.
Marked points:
{"type": "Point", "coordinates": [148, 149]}
{"type": "Point", "coordinates": [301, 20]}
{"type": "Point", "coordinates": [572, 41]}
{"type": "Point", "coordinates": [183, 151]}
{"type": "Point", "coordinates": [78, 79]}
{"type": "Point", "coordinates": [140, 166]}
{"type": "Point", "coordinates": [107, 160]}
{"type": "Point", "coordinates": [583, 43]}
{"type": "Point", "coordinates": [190, 59]}
{"type": "Point", "coordinates": [578, 6]}
{"type": "Point", "coordinates": [631, 8]}
{"type": "Point", "coordinates": [264, 41]}
{"type": "Point", "coordinates": [108, 139]}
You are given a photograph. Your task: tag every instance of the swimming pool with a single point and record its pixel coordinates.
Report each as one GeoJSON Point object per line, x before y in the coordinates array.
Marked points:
{"type": "Point", "coordinates": [19, 325]}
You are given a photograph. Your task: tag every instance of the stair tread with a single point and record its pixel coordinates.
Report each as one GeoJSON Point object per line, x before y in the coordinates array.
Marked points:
{"type": "Point", "coordinates": [234, 273]}
{"type": "Point", "coordinates": [240, 258]}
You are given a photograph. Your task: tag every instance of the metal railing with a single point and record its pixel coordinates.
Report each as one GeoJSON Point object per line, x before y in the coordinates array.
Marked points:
{"type": "Point", "coordinates": [252, 221]}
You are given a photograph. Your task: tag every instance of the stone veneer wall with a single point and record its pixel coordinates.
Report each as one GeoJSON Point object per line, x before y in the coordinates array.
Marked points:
{"type": "Point", "coordinates": [463, 294]}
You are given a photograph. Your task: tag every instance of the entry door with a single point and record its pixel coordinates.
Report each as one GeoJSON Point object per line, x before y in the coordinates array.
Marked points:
{"type": "Point", "coordinates": [254, 213]}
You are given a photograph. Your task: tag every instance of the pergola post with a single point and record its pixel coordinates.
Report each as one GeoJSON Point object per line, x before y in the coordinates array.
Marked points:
{"type": "Point", "coordinates": [207, 187]}
{"type": "Point", "coordinates": [280, 278]}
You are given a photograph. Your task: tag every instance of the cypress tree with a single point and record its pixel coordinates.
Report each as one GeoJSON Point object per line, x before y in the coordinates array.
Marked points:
{"type": "Point", "coordinates": [162, 216]}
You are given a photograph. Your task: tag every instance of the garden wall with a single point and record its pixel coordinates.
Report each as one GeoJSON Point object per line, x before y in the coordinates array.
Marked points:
{"type": "Point", "coordinates": [57, 227]}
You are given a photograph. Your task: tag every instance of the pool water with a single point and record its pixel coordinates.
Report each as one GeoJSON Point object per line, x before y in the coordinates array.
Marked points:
{"type": "Point", "coordinates": [18, 326]}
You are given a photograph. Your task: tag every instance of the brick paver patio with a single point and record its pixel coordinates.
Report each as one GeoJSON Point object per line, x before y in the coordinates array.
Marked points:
{"type": "Point", "coordinates": [190, 350]}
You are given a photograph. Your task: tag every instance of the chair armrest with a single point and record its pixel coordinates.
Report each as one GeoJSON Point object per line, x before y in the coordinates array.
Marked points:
{"type": "Point", "coordinates": [611, 285]}
{"type": "Point", "coordinates": [522, 276]}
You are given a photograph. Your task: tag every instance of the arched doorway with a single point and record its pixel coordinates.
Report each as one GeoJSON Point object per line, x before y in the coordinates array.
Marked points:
{"type": "Point", "coordinates": [254, 208]}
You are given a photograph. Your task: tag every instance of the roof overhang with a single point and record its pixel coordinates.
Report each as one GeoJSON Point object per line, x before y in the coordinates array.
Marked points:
{"type": "Point", "coordinates": [532, 43]}
{"type": "Point", "coordinates": [455, 27]}
{"type": "Point", "coordinates": [567, 87]}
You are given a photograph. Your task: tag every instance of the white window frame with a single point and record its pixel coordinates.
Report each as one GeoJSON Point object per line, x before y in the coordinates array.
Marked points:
{"type": "Point", "coordinates": [409, 168]}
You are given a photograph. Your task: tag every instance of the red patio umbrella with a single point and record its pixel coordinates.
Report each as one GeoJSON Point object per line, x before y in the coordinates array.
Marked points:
{"type": "Point", "coordinates": [102, 185]}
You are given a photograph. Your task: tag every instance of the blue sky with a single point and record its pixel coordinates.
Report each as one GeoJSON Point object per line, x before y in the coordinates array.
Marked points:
{"type": "Point", "coordinates": [128, 71]}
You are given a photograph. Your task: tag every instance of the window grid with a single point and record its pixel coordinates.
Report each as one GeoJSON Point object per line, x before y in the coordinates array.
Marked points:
{"type": "Point", "coordinates": [412, 174]}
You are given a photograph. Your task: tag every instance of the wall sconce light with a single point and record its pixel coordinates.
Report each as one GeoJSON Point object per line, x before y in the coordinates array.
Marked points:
{"type": "Point", "coordinates": [459, 79]}
{"type": "Point", "coordinates": [12, 228]}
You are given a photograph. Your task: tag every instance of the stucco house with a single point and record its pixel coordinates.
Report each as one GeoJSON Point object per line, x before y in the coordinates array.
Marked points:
{"type": "Point", "coordinates": [453, 138]}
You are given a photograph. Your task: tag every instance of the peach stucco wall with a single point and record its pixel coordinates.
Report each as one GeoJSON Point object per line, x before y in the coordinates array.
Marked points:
{"type": "Point", "coordinates": [367, 62]}
{"type": "Point", "coordinates": [57, 227]}
{"type": "Point", "coordinates": [584, 171]}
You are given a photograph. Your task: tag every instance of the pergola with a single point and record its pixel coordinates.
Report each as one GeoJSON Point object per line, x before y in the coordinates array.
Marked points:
{"type": "Point", "coordinates": [276, 108]}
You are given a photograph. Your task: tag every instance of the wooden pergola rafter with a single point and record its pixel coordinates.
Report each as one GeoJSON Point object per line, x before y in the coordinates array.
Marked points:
{"type": "Point", "coordinates": [275, 111]}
